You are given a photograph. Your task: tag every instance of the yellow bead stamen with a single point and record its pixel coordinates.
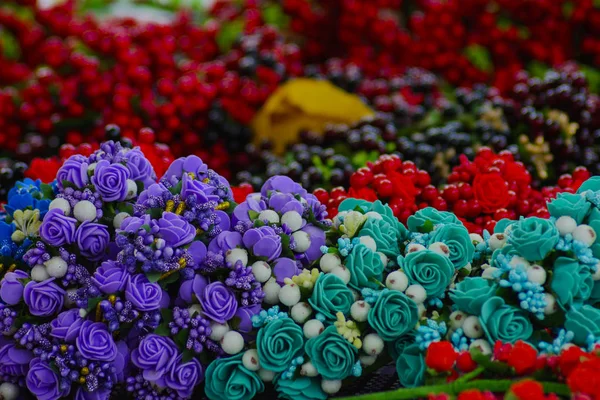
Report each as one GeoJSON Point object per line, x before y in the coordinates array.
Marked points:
{"type": "Point", "coordinates": [182, 264]}
{"type": "Point", "coordinates": [85, 371]}
{"type": "Point", "coordinates": [192, 175]}
{"type": "Point", "coordinates": [112, 298]}
{"type": "Point", "coordinates": [223, 206]}
{"type": "Point", "coordinates": [180, 208]}
{"type": "Point", "coordinates": [82, 380]}
{"type": "Point", "coordinates": [205, 180]}
{"type": "Point", "coordinates": [64, 348]}
{"type": "Point", "coordinates": [170, 206]}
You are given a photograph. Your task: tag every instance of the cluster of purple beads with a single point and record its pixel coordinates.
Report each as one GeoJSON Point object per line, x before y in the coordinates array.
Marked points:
{"type": "Point", "coordinates": [141, 389]}
{"type": "Point", "coordinates": [120, 312]}
{"type": "Point", "coordinates": [242, 278]}
{"type": "Point", "coordinates": [34, 337]}
{"type": "Point", "coordinates": [7, 318]}
{"type": "Point", "coordinates": [198, 328]}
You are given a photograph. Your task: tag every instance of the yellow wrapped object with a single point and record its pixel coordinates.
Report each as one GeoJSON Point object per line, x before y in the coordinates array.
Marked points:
{"type": "Point", "coordinates": [305, 104]}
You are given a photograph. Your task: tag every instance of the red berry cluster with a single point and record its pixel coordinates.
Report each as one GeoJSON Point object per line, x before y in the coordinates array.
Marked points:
{"type": "Point", "coordinates": [480, 192]}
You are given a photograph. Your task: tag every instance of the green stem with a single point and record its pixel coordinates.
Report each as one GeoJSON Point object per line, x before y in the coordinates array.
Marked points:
{"type": "Point", "coordinates": [455, 388]}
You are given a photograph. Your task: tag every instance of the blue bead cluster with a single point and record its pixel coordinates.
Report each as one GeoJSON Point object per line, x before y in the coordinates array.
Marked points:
{"type": "Point", "coordinates": [266, 316]}
{"type": "Point", "coordinates": [591, 341]}
{"type": "Point", "coordinates": [291, 370]}
{"type": "Point", "coordinates": [564, 337]}
{"type": "Point", "coordinates": [483, 249]}
{"type": "Point", "coordinates": [345, 245]}
{"type": "Point", "coordinates": [420, 238]}
{"type": "Point", "coordinates": [531, 295]}
{"type": "Point", "coordinates": [460, 341]}
{"type": "Point", "coordinates": [429, 333]}
{"type": "Point", "coordinates": [370, 296]}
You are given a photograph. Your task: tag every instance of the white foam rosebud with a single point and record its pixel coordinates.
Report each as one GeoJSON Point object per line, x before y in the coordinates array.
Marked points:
{"type": "Point", "coordinates": [68, 296]}
{"type": "Point", "coordinates": [313, 328]}
{"type": "Point", "coordinates": [472, 327]}
{"type": "Point", "coordinates": [440, 248]}
{"type": "Point", "coordinates": [373, 215]}
{"type": "Point", "coordinates": [372, 344]}
{"type": "Point", "coordinates": [341, 272]}
{"type": "Point", "coordinates": [83, 312]}
{"type": "Point", "coordinates": [268, 215]}
{"type": "Point", "coordinates": [551, 304]}
{"type": "Point", "coordinates": [218, 331]}
{"type": "Point", "coordinates": [536, 274]}
{"type": "Point", "coordinates": [584, 234]}
{"type": "Point", "coordinates": [232, 342]}
{"type": "Point", "coordinates": [61, 204]}
{"type": "Point", "coordinates": [497, 240]}
{"type": "Point", "coordinates": [565, 225]}
{"type": "Point", "coordinates": [261, 271]}
{"type": "Point", "coordinates": [119, 218]}
{"type": "Point", "coordinates": [356, 294]}
{"type": "Point", "coordinates": [84, 211]}
{"type": "Point", "coordinates": [397, 280]}
{"type": "Point", "coordinates": [301, 312]}
{"type": "Point", "coordinates": [360, 310]}
{"type": "Point", "coordinates": [596, 275]}
{"type": "Point", "coordinates": [421, 310]}
{"type": "Point", "coordinates": [266, 375]}
{"type": "Point", "coordinates": [488, 273]}
{"type": "Point", "coordinates": [9, 391]}
{"type": "Point", "coordinates": [369, 242]}
{"type": "Point", "coordinates": [476, 238]}
{"type": "Point", "coordinates": [92, 167]}
{"type": "Point", "coordinates": [289, 294]}
{"type": "Point", "coordinates": [292, 220]}
{"type": "Point", "coordinates": [271, 290]}
{"type": "Point", "coordinates": [195, 309]}
{"type": "Point", "coordinates": [384, 258]}
{"type": "Point", "coordinates": [517, 261]}
{"type": "Point", "coordinates": [302, 241]}
{"type": "Point", "coordinates": [367, 360]}
{"type": "Point", "coordinates": [331, 386]}
{"type": "Point", "coordinates": [308, 369]}
{"type": "Point", "coordinates": [483, 346]}
{"type": "Point", "coordinates": [131, 189]}
{"type": "Point", "coordinates": [56, 267]}
{"type": "Point", "coordinates": [329, 261]}
{"type": "Point", "coordinates": [234, 255]}
{"type": "Point", "coordinates": [414, 247]}
{"type": "Point", "coordinates": [250, 360]}
{"type": "Point", "coordinates": [457, 319]}
{"type": "Point", "coordinates": [39, 273]}
{"type": "Point", "coordinates": [417, 293]}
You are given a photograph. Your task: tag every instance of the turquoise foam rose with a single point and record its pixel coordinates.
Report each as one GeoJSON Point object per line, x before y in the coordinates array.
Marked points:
{"type": "Point", "coordinates": [278, 343]}
{"type": "Point", "coordinates": [393, 315]}
{"type": "Point", "coordinates": [572, 282]}
{"type": "Point", "coordinates": [299, 388]}
{"type": "Point", "coordinates": [436, 217]}
{"type": "Point", "coordinates": [396, 347]}
{"type": "Point", "coordinates": [594, 222]}
{"type": "Point", "coordinates": [364, 266]}
{"type": "Point", "coordinates": [331, 354]}
{"type": "Point", "coordinates": [470, 294]}
{"type": "Point", "coordinates": [456, 237]}
{"type": "Point", "coordinates": [377, 206]}
{"type": "Point", "coordinates": [227, 378]}
{"type": "Point", "coordinates": [429, 269]}
{"type": "Point", "coordinates": [410, 366]}
{"type": "Point", "coordinates": [583, 322]}
{"type": "Point", "coordinates": [385, 236]}
{"type": "Point", "coordinates": [507, 250]}
{"type": "Point", "coordinates": [501, 321]}
{"type": "Point", "coordinates": [573, 205]}
{"type": "Point", "coordinates": [533, 238]}
{"type": "Point", "coordinates": [331, 295]}
{"type": "Point", "coordinates": [592, 184]}
{"type": "Point", "coordinates": [501, 225]}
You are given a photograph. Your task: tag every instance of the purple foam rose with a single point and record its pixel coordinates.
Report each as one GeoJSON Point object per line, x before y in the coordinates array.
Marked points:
{"type": "Point", "coordinates": [155, 356]}
{"type": "Point", "coordinates": [74, 170]}
{"type": "Point", "coordinates": [284, 202]}
{"type": "Point", "coordinates": [191, 164]}
{"type": "Point", "coordinates": [184, 377]}
{"type": "Point", "coordinates": [175, 230]}
{"type": "Point", "coordinates": [139, 167]}
{"type": "Point", "coordinates": [192, 287]}
{"type": "Point", "coordinates": [317, 239]}
{"type": "Point", "coordinates": [282, 184]}
{"type": "Point", "coordinates": [223, 220]}
{"type": "Point", "coordinates": [14, 361]}
{"type": "Point", "coordinates": [11, 289]}
{"type": "Point", "coordinates": [225, 241]}
{"type": "Point", "coordinates": [92, 240]}
{"type": "Point", "coordinates": [110, 180]}
{"type": "Point", "coordinates": [95, 342]}
{"type": "Point", "coordinates": [284, 268]}
{"type": "Point", "coordinates": [44, 299]}
{"type": "Point", "coordinates": [263, 242]}
{"type": "Point", "coordinates": [218, 302]}
{"type": "Point", "coordinates": [245, 315]}
{"type": "Point", "coordinates": [43, 382]}
{"type": "Point", "coordinates": [144, 295]}
{"type": "Point", "coordinates": [134, 224]}
{"type": "Point", "coordinates": [197, 251]}
{"type": "Point", "coordinates": [66, 325]}
{"type": "Point", "coordinates": [253, 202]}
{"type": "Point", "coordinates": [110, 277]}
{"type": "Point", "coordinates": [121, 363]}
{"type": "Point", "coordinates": [98, 394]}
{"type": "Point", "coordinates": [57, 229]}
{"type": "Point", "coordinates": [202, 191]}
{"type": "Point", "coordinates": [154, 190]}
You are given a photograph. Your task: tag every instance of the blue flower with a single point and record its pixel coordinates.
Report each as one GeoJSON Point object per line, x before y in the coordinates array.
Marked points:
{"type": "Point", "coordinates": [27, 194]}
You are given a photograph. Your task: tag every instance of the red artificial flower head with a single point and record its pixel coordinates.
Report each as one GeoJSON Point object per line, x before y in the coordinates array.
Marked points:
{"type": "Point", "coordinates": [465, 362]}
{"type": "Point", "coordinates": [474, 394]}
{"type": "Point", "coordinates": [523, 358]}
{"type": "Point", "coordinates": [491, 190]}
{"type": "Point", "coordinates": [364, 193]}
{"type": "Point", "coordinates": [570, 359]}
{"type": "Point", "coordinates": [241, 192]}
{"type": "Point", "coordinates": [584, 379]}
{"type": "Point", "coordinates": [527, 390]}
{"type": "Point", "coordinates": [502, 351]}
{"type": "Point", "coordinates": [441, 356]}
{"type": "Point", "coordinates": [43, 169]}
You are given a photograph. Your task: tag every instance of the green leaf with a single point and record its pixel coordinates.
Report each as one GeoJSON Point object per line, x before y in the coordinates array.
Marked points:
{"type": "Point", "coordinates": [235, 323]}
{"type": "Point", "coordinates": [9, 46]}
{"type": "Point", "coordinates": [567, 9]}
{"type": "Point", "coordinates": [146, 227]}
{"type": "Point", "coordinates": [504, 23]}
{"type": "Point", "coordinates": [155, 213]}
{"type": "Point", "coordinates": [187, 356]}
{"type": "Point", "coordinates": [181, 337]}
{"type": "Point", "coordinates": [537, 69]}
{"type": "Point", "coordinates": [229, 34]}
{"type": "Point", "coordinates": [163, 330]}
{"type": "Point", "coordinates": [166, 314]}
{"type": "Point", "coordinates": [274, 15]}
{"type": "Point", "coordinates": [597, 3]}
{"type": "Point", "coordinates": [174, 277]}
{"type": "Point", "coordinates": [593, 77]}
{"type": "Point", "coordinates": [253, 214]}
{"type": "Point", "coordinates": [68, 184]}
{"type": "Point", "coordinates": [426, 227]}
{"type": "Point", "coordinates": [479, 57]}
{"type": "Point", "coordinates": [47, 191]}
{"type": "Point", "coordinates": [139, 186]}
{"type": "Point", "coordinates": [486, 362]}
{"type": "Point", "coordinates": [153, 276]}
{"type": "Point", "coordinates": [93, 303]}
